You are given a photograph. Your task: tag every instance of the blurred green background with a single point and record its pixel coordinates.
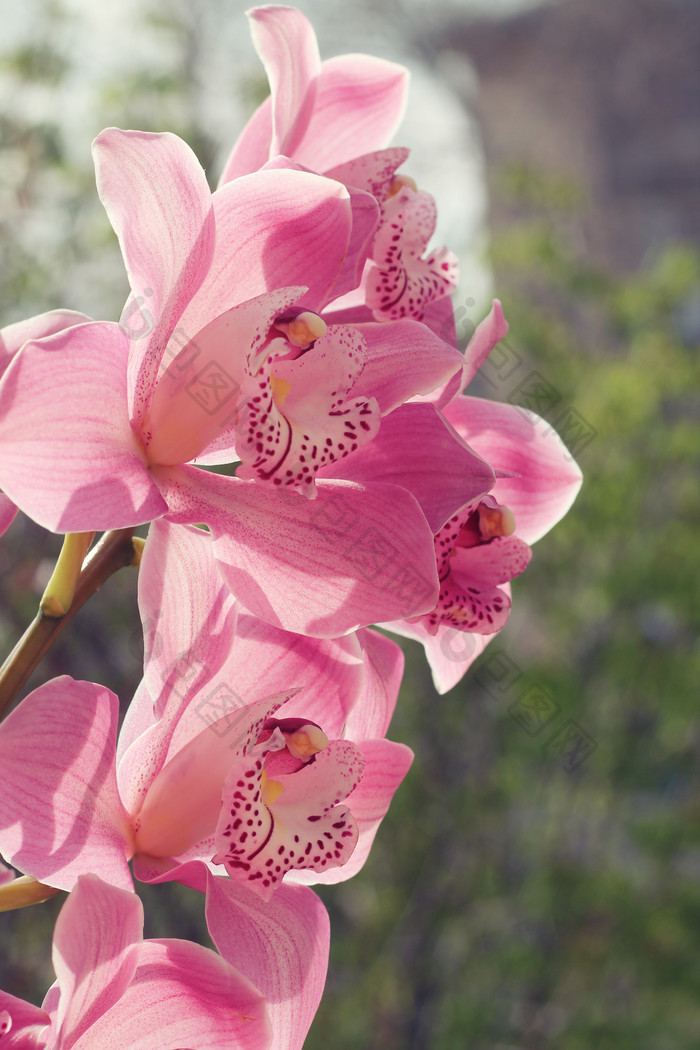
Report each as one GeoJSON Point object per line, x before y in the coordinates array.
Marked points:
{"type": "Point", "coordinates": [533, 885]}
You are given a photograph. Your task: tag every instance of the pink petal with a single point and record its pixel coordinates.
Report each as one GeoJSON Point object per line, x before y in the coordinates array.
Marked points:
{"type": "Point", "coordinates": [403, 358]}
{"type": "Point", "coordinates": [372, 172]}
{"type": "Point", "coordinates": [96, 948]}
{"type": "Point", "coordinates": [417, 450]}
{"type": "Point", "coordinates": [329, 673]}
{"type": "Point", "coordinates": [60, 812]}
{"type": "Point", "coordinates": [359, 104]}
{"type": "Point", "coordinates": [517, 441]}
{"type": "Point", "coordinates": [70, 458]}
{"type": "Point", "coordinates": [384, 661]}
{"type": "Point", "coordinates": [450, 652]}
{"type": "Point", "coordinates": [22, 1025]}
{"type": "Point", "coordinates": [274, 229]}
{"type": "Point", "coordinates": [286, 43]}
{"type": "Point", "coordinates": [487, 334]}
{"type": "Point", "coordinates": [280, 945]}
{"type": "Point", "coordinates": [365, 216]}
{"type": "Point", "coordinates": [182, 995]}
{"type": "Point", "coordinates": [14, 335]}
{"type": "Point", "coordinates": [386, 764]}
{"type": "Point", "coordinates": [157, 198]}
{"type": "Point", "coordinates": [321, 567]}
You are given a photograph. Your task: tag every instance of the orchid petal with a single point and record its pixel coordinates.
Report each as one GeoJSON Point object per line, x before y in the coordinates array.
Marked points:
{"type": "Point", "coordinates": [487, 334]}
{"type": "Point", "coordinates": [516, 441]}
{"type": "Point", "coordinates": [96, 948]}
{"type": "Point", "coordinates": [280, 945]}
{"type": "Point", "coordinates": [403, 359]}
{"type": "Point", "coordinates": [384, 662]}
{"type": "Point", "coordinates": [274, 229]}
{"type": "Point", "coordinates": [372, 172]}
{"type": "Point", "coordinates": [8, 511]}
{"type": "Point", "coordinates": [69, 456]}
{"type": "Point", "coordinates": [490, 564]}
{"type": "Point", "coordinates": [320, 568]}
{"type": "Point", "coordinates": [182, 995]}
{"type": "Point", "coordinates": [22, 1025]}
{"type": "Point", "coordinates": [286, 43]}
{"type": "Point", "coordinates": [157, 198]}
{"type": "Point", "coordinates": [60, 812]}
{"type": "Point", "coordinates": [419, 451]}
{"type": "Point", "coordinates": [13, 336]}
{"type": "Point", "coordinates": [450, 652]}
{"type": "Point", "coordinates": [359, 104]}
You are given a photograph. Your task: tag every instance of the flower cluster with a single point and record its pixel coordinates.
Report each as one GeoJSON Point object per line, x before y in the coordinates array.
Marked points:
{"type": "Point", "coordinates": [293, 326]}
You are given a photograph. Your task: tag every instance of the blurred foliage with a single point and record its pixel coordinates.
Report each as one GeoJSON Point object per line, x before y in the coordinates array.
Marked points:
{"type": "Point", "coordinates": [507, 902]}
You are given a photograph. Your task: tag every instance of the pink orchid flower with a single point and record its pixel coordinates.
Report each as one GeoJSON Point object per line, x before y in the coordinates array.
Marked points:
{"type": "Point", "coordinates": [112, 986]}
{"type": "Point", "coordinates": [12, 337]}
{"type": "Point", "coordinates": [205, 770]}
{"type": "Point", "coordinates": [222, 355]}
{"type": "Point", "coordinates": [486, 541]}
{"type": "Point", "coordinates": [335, 117]}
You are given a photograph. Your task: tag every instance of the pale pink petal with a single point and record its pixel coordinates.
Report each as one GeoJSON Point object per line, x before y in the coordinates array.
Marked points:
{"type": "Point", "coordinates": [365, 215]}
{"type": "Point", "coordinates": [419, 451]}
{"type": "Point", "coordinates": [13, 336]}
{"type": "Point", "coordinates": [487, 334]}
{"type": "Point", "coordinates": [182, 995]}
{"type": "Point", "coordinates": [403, 359]}
{"type": "Point", "coordinates": [286, 43]}
{"type": "Point", "coordinates": [157, 198]}
{"type": "Point", "coordinates": [22, 1025]}
{"type": "Point", "coordinates": [6, 874]}
{"type": "Point", "coordinates": [96, 948]}
{"type": "Point", "coordinates": [8, 510]}
{"type": "Point", "coordinates": [274, 229]}
{"type": "Point", "coordinates": [70, 459]}
{"type": "Point", "coordinates": [386, 764]}
{"type": "Point", "coordinates": [517, 441]}
{"type": "Point", "coordinates": [322, 567]}
{"type": "Point", "coordinates": [280, 945]}
{"type": "Point", "coordinates": [384, 661]}
{"type": "Point", "coordinates": [359, 104]}
{"type": "Point", "coordinates": [329, 673]}
{"type": "Point", "coordinates": [189, 616]}
{"type": "Point", "coordinates": [60, 812]}
{"type": "Point", "coordinates": [449, 652]}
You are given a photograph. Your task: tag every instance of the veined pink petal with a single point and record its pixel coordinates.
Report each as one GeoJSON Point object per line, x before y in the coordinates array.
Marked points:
{"type": "Point", "coordinates": [96, 948]}
{"type": "Point", "coordinates": [22, 1025]}
{"type": "Point", "coordinates": [365, 215]}
{"type": "Point", "coordinates": [60, 812]}
{"type": "Point", "coordinates": [281, 945]}
{"type": "Point", "coordinates": [278, 228]}
{"type": "Point", "coordinates": [359, 104]}
{"type": "Point", "coordinates": [450, 652]}
{"type": "Point", "coordinates": [185, 610]}
{"type": "Point", "coordinates": [182, 995]}
{"type": "Point", "coordinates": [371, 714]}
{"type": "Point", "coordinates": [286, 43]}
{"type": "Point", "coordinates": [386, 764]}
{"type": "Point", "coordinates": [404, 358]}
{"type": "Point", "coordinates": [319, 568]}
{"type": "Point", "coordinates": [419, 451]}
{"type": "Point", "coordinates": [372, 172]}
{"type": "Point", "coordinates": [157, 198]}
{"type": "Point", "coordinates": [491, 564]}
{"type": "Point", "coordinates": [487, 334]}
{"type": "Point", "coordinates": [329, 673]}
{"type": "Point", "coordinates": [69, 456]}
{"type": "Point", "coordinates": [517, 441]}
{"type": "Point", "coordinates": [14, 335]}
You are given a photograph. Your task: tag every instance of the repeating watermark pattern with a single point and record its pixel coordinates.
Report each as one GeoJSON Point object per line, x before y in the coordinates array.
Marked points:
{"type": "Point", "coordinates": [534, 710]}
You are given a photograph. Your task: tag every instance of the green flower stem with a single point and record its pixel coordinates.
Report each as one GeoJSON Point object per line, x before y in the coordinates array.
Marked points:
{"type": "Point", "coordinates": [114, 551]}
